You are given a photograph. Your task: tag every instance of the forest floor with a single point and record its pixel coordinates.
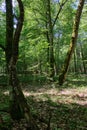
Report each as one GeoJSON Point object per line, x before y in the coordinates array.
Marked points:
{"type": "Point", "coordinates": [57, 107]}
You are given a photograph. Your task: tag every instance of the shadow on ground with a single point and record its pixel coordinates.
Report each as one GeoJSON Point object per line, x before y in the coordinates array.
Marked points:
{"type": "Point", "coordinates": [62, 116]}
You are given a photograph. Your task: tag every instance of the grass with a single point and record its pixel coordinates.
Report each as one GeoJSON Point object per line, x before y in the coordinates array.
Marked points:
{"type": "Point", "coordinates": [65, 106]}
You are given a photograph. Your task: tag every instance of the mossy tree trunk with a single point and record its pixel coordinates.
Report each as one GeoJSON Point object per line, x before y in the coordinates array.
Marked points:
{"type": "Point", "coordinates": [62, 75]}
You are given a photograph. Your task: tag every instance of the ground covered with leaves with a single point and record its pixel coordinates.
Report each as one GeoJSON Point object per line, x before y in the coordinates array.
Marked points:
{"type": "Point", "coordinates": [53, 107]}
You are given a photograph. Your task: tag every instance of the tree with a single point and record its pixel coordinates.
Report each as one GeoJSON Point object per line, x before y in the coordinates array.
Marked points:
{"type": "Point", "coordinates": [62, 34]}
{"type": "Point", "coordinates": [50, 39]}
{"type": "Point", "coordinates": [50, 24]}
{"type": "Point", "coordinates": [18, 104]}
{"type": "Point", "coordinates": [62, 76]}
{"type": "Point", "coordinates": [43, 16]}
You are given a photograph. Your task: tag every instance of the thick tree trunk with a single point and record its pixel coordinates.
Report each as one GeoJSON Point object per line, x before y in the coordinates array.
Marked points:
{"type": "Point", "coordinates": [9, 31]}
{"type": "Point", "coordinates": [62, 76]}
{"type": "Point", "coordinates": [18, 104]}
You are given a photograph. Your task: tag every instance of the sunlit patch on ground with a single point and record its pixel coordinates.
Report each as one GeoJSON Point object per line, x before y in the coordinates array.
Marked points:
{"type": "Point", "coordinates": [70, 95]}
{"type": "Point", "coordinates": [67, 96]}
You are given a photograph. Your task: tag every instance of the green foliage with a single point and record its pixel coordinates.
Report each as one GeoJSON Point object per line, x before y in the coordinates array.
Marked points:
{"type": "Point", "coordinates": [33, 79]}
{"type": "Point", "coordinates": [33, 42]}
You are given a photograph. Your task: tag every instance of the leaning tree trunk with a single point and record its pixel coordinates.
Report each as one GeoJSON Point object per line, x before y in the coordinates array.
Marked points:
{"type": "Point", "coordinates": [18, 104]}
{"type": "Point", "coordinates": [62, 76]}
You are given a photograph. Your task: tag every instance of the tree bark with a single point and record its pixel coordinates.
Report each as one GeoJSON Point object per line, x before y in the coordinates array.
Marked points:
{"type": "Point", "coordinates": [62, 76]}
{"type": "Point", "coordinates": [9, 31]}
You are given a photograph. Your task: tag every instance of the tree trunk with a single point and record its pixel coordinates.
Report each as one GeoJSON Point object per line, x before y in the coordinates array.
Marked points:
{"type": "Point", "coordinates": [62, 76]}
{"type": "Point", "coordinates": [18, 104]}
{"type": "Point", "coordinates": [82, 56]}
{"type": "Point", "coordinates": [75, 62]}
{"type": "Point", "coordinates": [50, 34]}
{"type": "Point", "coordinates": [47, 37]}
{"type": "Point", "coordinates": [9, 31]}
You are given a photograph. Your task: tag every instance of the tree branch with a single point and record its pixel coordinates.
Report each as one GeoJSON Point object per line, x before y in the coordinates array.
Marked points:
{"type": "Point", "coordinates": [18, 30]}
{"type": "Point", "coordinates": [2, 47]}
{"type": "Point", "coordinates": [61, 6]}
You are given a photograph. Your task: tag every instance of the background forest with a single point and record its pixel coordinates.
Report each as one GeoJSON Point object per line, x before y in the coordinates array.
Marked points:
{"type": "Point", "coordinates": [33, 50]}
{"type": "Point", "coordinates": [43, 45]}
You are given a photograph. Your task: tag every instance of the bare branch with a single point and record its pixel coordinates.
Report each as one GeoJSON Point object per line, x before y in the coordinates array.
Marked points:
{"type": "Point", "coordinates": [60, 8]}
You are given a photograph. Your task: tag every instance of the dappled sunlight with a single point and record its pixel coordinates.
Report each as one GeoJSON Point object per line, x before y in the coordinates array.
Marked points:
{"type": "Point", "coordinates": [64, 95]}
{"type": "Point", "coordinates": [67, 96]}
{"type": "Point", "coordinates": [6, 92]}
{"type": "Point", "coordinates": [64, 103]}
